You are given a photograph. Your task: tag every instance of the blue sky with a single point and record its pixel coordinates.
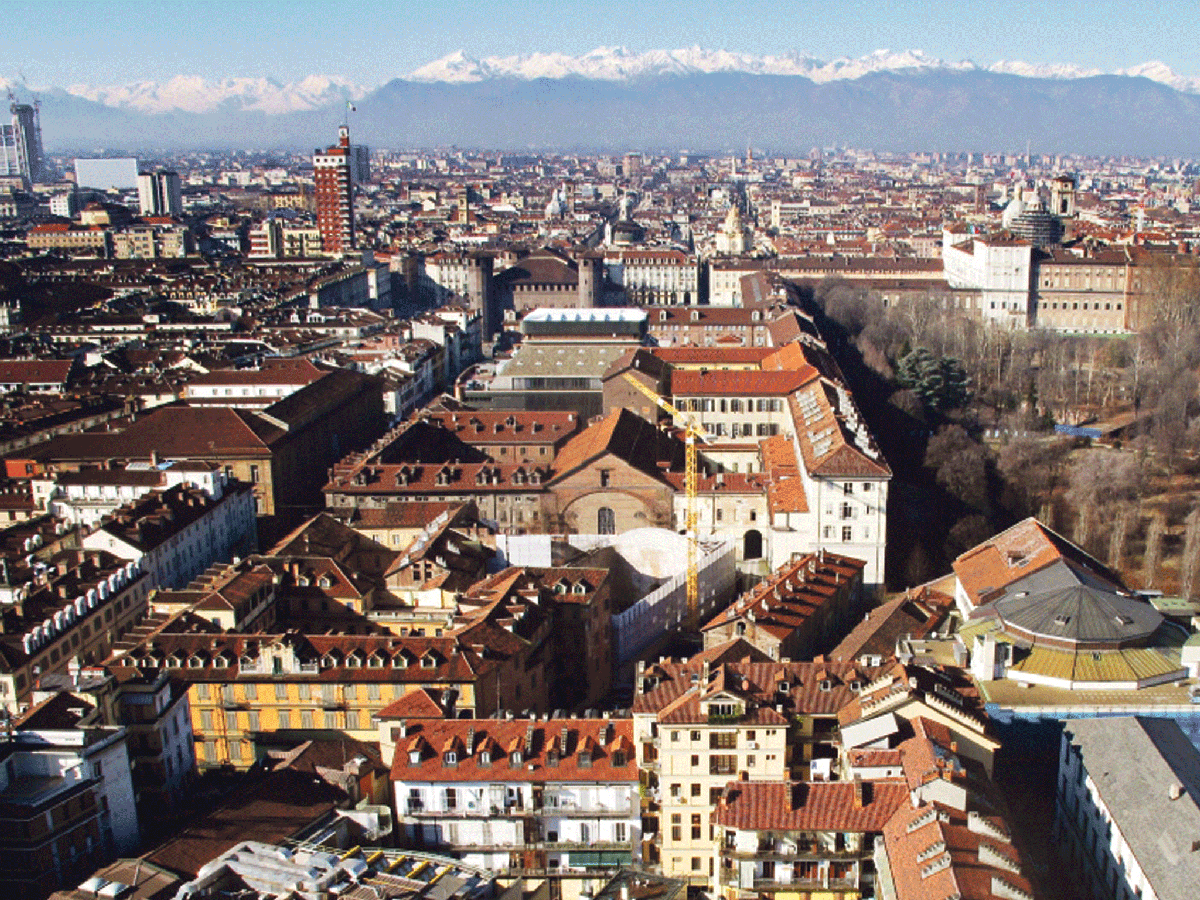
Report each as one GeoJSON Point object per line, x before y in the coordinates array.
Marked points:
{"type": "Point", "coordinates": [60, 43]}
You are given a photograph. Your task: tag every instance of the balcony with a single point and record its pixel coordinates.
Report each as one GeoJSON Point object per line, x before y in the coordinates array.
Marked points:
{"type": "Point", "coordinates": [803, 851]}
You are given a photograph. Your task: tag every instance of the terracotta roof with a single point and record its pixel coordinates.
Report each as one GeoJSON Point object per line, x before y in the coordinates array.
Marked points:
{"type": "Point", "coordinates": [915, 613]}
{"type": "Point", "coordinates": [35, 371]}
{"type": "Point", "coordinates": [987, 569]}
{"type": "Point", "coordinates": [686, 382]}
{"type": "Point", "coordinates": [272, 810]}
{"type": "Point", "coordinates": [816, 806]}
{"type": "Point", "coordinates": [937, 851]}
{"type": "Point", "coordinates": [785, 600]}
{"type": "Point", "coordinates": [816, 688]}
{"type": "Point", "coordinates": [540, 742]}
{"type": "Point", "coordinates": [625, 435]}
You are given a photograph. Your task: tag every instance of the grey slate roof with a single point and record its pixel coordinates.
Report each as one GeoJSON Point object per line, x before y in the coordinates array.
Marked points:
{"type": "Point", "coordinates": [1080, 614]}
{"type": "Point", "coordinates": [1133, 762]}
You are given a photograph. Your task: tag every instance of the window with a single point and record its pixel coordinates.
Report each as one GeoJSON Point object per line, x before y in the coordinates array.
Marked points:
{"type": "Point", "coordinates": [847, 511]}
{"type": "Point", "coordinates": [848, 488]}
{"type": "Point", "coordinates": [285, 719]}
{"type": "Point", "coordinates": [847, 533]}
{"type": "Point", "coordinates": [695, 735]}
{"type": "Point", "coordinates": [695, 788]}
{"type": "Point", "coordinates": [695, 759]}
{"type": "Point", "coordinates": [619, 832]}
{"type": "Point", "coordinates": [605, 477]}
{"type": "Point", "coordinates": [451, 798]}
{"type": "Point", "coordinates": [606, 521]}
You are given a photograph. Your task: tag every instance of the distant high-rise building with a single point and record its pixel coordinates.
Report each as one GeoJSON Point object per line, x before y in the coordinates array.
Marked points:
{"type": "Point", "coordinates": [160, 193]}
{"type": "Point", "coordinates": [21, 144]}
{"type": "Point", "coordinates": [334, 171]}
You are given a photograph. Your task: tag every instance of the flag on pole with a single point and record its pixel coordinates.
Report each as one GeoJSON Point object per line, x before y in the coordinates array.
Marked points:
{"type": "Point", "coordinates": [351, 107]}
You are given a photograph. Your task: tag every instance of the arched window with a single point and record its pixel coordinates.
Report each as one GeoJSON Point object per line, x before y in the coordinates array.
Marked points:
{"type": "Point", "coordinates": [606, 521]}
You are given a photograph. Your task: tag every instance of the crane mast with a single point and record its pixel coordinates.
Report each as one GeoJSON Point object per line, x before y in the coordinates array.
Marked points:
{"type": "Point", "coordinates": [692, 434]}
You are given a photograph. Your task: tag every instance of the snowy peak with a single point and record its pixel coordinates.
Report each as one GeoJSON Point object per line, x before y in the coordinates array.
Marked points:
{"type": "Point", "coordinates": [622, 64]}
{"type": "Point", "coordinates": [196, 94]}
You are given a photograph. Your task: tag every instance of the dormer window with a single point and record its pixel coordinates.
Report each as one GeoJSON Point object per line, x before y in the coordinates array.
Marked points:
{"type": "Point", "coordinates": [579, 588]}
{"type": "Point", "coordinates": [552, 759]}
{"type": "Point", "coordinates": [618, 758]}
{"type": "Point", "coordinates": [450, 758]}
{"type": "Point", "coordinates": [514, 759]}
{"type": "Point", "coordinates": [485, 757]}
{"type": "Point", "coordinates": [826, 685]}
{"type": "Point", "coordinates": [414, 757]}
{"type": "Point", "coordinates": [429, 661]}
{"type": "Point", "coordinates": [855, 686]}
{"type": "Point", "coordinates": [585, 759]}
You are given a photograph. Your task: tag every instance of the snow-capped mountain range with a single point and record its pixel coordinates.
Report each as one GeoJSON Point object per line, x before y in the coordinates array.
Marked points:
{"type": "Point", "coordinates": [197, 94]}
{"type": "Point", "coordinates": [620, 64]}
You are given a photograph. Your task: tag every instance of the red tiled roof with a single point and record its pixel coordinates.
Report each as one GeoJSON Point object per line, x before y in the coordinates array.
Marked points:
{"type": "Point", "coordinates": [539, 741]}
{"type": "Point", "coordinates": [817, 806]}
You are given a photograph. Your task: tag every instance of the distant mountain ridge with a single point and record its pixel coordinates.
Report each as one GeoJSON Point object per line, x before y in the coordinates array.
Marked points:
{"type": "Point", "coordinates": [651, 104]}
{"type": "Point", "coordinates": [619, 63]}
{"type": "Point", "coordinates": [198, 94]}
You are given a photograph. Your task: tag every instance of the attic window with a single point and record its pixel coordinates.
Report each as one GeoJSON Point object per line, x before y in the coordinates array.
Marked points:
{"type": "Point", "coordinates": [826, 685]}
{"type": "Point", "coordinates": [855, 686]}
{"type": "Point", "coordinates": [515, 759]}
{"type": "Point", "coordinates": [618, 758]}
{"type": "Point", "coordinates": [195, 662]}
{"type": "Point", "coordinates": [450, 758]}
{"type": "Point", "coordinates": [414, 757]}
{"type": "Point", "coordinates": [783, 687]}
{"type": "Point", "coordinates": [429, 661]}
{"type": "Point", "coordinates": [485, 757]}
{"type": "Point", "coordinates": [325, 581]}
{"type": "Point", "coordinates": [585, 759]}
{"type": "Point", "coordinates": [579, 588]}
{"type": "Point", "coordinates": [375, 662]}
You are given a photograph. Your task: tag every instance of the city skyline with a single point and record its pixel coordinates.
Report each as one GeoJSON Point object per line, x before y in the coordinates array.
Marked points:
{"type": "Point", "coordinates": [367, 44]}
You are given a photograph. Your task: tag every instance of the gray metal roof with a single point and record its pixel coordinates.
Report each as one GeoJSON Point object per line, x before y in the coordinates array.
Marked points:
{"type": "Point", "coordinates": [1079, 613]}
{"type": "Point", "coordinates": [1133, 762]}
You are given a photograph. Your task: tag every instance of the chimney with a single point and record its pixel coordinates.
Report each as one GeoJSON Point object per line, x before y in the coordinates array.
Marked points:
{"type": "Point", "coordinates": [858, 792]}
{"type": "Point", "coordinates": [562, 744]}
{"type": "Point", "coordinates": [471, 741]}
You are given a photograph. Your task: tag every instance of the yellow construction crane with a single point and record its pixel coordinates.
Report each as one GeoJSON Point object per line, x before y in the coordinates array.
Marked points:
{"type": "Point", "coordinates": [692, 433]}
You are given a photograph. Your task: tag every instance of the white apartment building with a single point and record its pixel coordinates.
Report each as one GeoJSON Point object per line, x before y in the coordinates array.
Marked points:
{"type": "Point", "coordinates": [176, 534]}
{"type": "Point", "coordinates": [514, 794]}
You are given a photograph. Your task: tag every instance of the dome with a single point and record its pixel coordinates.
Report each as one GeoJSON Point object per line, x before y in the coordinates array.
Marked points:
{"type": "Point", "coordinates": [1016, 207]}
{"type": "Point", "coordinates": [1078, 615]}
